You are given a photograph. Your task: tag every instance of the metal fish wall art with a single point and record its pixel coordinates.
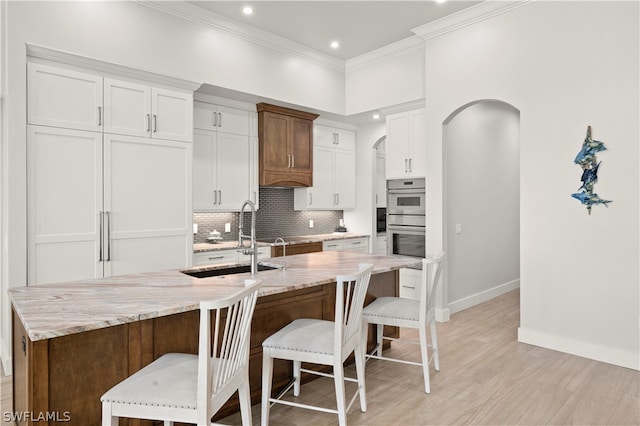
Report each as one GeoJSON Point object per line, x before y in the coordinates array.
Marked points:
{"type": "Point", "coordinates": [586, 159]}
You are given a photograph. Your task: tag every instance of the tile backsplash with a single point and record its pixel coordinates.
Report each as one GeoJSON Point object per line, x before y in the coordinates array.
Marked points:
{"type": "Point", "coordinates": [275, 218]}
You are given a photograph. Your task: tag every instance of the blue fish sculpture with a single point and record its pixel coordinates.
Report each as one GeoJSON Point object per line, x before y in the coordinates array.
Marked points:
{"type": "Point", "coordinates": [589, 149]}
{"type": "Point", "coordinates": [590, 199]}
{"type": "Point", "coordinates": [589, 177]}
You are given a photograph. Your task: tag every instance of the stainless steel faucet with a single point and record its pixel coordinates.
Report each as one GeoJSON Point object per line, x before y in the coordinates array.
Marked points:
{"type": "Point", "coordinates": [251, 251]}
{"type": "Point", "coordinates": [284, 251]}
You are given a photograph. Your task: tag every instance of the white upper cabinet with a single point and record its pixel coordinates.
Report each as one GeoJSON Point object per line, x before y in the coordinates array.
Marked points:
{"type": "Point", "coordinates": [225, 158]}
{"type": "Point", "coordinates": [63, 98]}
{"type": "Point", "coordinates": [380, 181]}
{"type": "Point", "coordinates": [405, 146]}
{"type": "Point", "coordinates": [334, 171]}
{"type": "Point", "coordinates": [219, 118]}
{"type": "Point", "coordinates": [139, 110]}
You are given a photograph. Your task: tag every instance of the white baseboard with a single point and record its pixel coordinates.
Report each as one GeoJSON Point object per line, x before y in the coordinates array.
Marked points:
{"type": "Point", "coordinates": [619, 357]}
{"type": "Point", "coordinates": [5, 358]}
{"type": "Point", "coordinates": [476, 299]}
{"type": "Point", "coordinates": [443, 315]}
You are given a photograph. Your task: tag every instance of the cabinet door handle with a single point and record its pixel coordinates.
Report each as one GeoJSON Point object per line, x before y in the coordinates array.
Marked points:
{"type": "Point", "coordinates": [99, 116]}
{"type": "Point", "coordinates": [155, 123]}
{"type": "Point", "coordinates": [215, 197]}
{"type": "Point", "coordinates": [408, 286]}
{"type": "Point", "coordinates": [311, 198]}
{"type": "Point", "coordinates": [220, 119]}
{"type": "Point", "coordinates": [410, 165]}
{"type": "Point", "coordinates": [148, 122]}
{"type": "Point", "coordinates": [293, 161]}
{"type": "Point", "coordinates": [100, 235]}
{"type": "Point", "coordinates": [216, 257]}
{"type": "Point", "coordinates": [108, 214]}
{"type": "Point", "coordinates": [219, 197]}
{"type": "Point", "coordinates": [215, 120]}
{"type": "Point", "coordinates": [288, 160]}
{"type": "Point", "coordinates": [355, 243]}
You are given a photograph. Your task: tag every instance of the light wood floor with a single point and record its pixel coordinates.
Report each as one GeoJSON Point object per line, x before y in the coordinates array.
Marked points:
{"type": "Point", "coordinates": [486, 378]}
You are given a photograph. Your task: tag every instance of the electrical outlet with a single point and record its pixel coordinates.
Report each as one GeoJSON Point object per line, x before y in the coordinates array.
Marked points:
{"type": "Point", "coordinates": [227, 227]}
{"type": "Point", "coordinates": [458, 228]}
{"type": "Point", "coordinates": [310, 223]}
{"type": "Point", "coordinates": [195, 228]}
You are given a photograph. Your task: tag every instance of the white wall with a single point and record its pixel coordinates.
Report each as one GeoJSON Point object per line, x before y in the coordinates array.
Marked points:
{"type": "Point", "coordinates": [564, 65]}
{"type": "Point", "coordinates": [133, 35]}
{"type": "Point", "coordinates": [361, 218]}
{"type": "Point", "coordinates": [385, 77]}
{"type": "Point", "coordinates": [482, 163]}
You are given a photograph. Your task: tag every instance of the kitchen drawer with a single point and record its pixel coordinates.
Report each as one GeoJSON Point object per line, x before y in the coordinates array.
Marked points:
{"type": "Point", "coordinates": [410, 281]}
{"type": "Point", "coordinates": [214, 257]}
{"type": "Point", "coordinates": [349, 244]}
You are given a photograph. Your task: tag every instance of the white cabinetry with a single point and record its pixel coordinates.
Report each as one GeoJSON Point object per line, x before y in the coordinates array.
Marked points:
{"type": "Point", "coordinates": [360, 244]}
{"type": "Point", "coordinates": [99, 203]}
{"type": "Point", "coordinates": [380, 245]}
{"type": "Point", "coordinates": [102, 205]}
{"type": "Point", "coordinates": [381, 181]}
{"type": "Point", "coordinates": [410, 282]}
{"type": "Point", "coordinates": [71, 99]}
{"type": "Point", "coordinates": [216, 257]}
{"type": "Point", "coordinates": [334, 172]}
{"type": "Point", "coordinates": [405, 146]}
{"type": "Point", "coordinates": [224, 158]}
{"type": "Point", "coordinates": [140, 110]}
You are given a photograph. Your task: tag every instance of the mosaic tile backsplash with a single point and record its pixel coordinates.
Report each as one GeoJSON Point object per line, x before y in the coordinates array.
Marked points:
{"type": "Point", "coordinates": [275, 218]}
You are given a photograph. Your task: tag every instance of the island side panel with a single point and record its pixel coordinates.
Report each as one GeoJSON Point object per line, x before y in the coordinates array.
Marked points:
{"type": "Point", "coordinates": [30, 373]}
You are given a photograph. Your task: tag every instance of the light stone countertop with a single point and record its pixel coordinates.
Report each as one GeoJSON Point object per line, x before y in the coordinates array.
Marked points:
{"type": "Point", "coordinates": [298, 239]}
{"type": "Point", "coordinates": [53, 310]}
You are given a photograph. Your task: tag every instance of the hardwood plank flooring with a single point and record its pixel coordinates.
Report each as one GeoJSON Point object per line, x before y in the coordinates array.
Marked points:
{"type": "Point", "coordinates": [486, 378]}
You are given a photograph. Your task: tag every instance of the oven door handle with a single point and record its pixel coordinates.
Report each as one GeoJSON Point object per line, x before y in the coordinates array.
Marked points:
{"type": "Point", "coordinates": [405, 229]}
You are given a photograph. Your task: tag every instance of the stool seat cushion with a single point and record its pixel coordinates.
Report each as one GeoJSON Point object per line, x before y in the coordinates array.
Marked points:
{"type": "Point", "coordinates": [169, 381]}
{"type": "Point", "coordinates": [394, 307]}
{"type": "Point", "coordinates": [304, 335]}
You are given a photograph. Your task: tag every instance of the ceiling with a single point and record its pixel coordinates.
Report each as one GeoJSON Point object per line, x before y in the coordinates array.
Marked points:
{"type": "Point", "coordinates": [359, 26]}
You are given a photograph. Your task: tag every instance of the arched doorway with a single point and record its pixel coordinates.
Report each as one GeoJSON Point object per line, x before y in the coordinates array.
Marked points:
{"type": "Point", "coordinates": [482, 202]}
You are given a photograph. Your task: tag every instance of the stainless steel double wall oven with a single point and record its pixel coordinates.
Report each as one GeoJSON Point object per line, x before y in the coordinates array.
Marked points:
{"type": "Point", "coordinates": [406, 222]}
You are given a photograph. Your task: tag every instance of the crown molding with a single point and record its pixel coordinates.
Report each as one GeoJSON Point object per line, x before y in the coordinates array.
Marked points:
{"type": "Point", "coordinates": [384, 53]}
{"type": "Point", "coordinates": [407, 106]}
{"type": "Point", "coordinates": [68, 58]}
{"type": "Point", "coordinates": [200, 16]}
{"type": "Point", "coordinates": [469, 16]}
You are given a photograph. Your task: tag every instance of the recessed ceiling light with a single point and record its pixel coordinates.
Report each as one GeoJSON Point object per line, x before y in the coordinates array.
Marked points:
{"type": "Point", "coordinates": [376, 116]}
{"type": "Point", "coordinates": [247, 10]}
{"type": "Point", "coordinates": [335, 44]}
{"type": "Point", "coordinates": [440, 1]}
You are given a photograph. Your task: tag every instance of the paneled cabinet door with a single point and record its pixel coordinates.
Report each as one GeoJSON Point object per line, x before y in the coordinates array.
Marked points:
{"type": "Point", "coordinates": [127, 108]}
{"type": "Point", "coordinates": [345, 179]}
{"type": "Point", "coordinates": [62, 98]}
{"type": "Point", "coordinates": [221, 171]}
{"type": "Point", "coordinates": [397, 146]}
{"type": "Point", "coordinates": [219, 118]}
{"type": "Point", "coordinates": [147, 191]}
{"type": "Point", "coordinates": [406, 145]}
{"type": "Point", "coordinates": [322, 194]}
{"type": "Point", "coordinates": [172, 115]}
{"type": "Point", "coordinates": [64, 169]}
{"type": "Point", "coordinates": [380, 181]}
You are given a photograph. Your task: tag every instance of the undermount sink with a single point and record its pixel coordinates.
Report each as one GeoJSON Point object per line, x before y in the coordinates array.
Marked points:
{"type": "Point", "coordinates": [225, 270]}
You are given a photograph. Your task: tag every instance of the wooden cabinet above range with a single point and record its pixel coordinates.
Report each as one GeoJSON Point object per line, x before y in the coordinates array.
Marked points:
{"type": "Point", "coordinates": [285, 146]}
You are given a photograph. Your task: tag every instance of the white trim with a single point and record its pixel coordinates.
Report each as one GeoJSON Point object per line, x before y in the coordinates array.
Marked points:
{"type": "Point", "coordinates": [68, 58]}
{"type": "Point", "coordinates": [384, 53]}
{"type": "Point", "coordinates": [5, 358]}
{"type": "Point", "coordinates": [407, 106]}
{"type": "Point", "coordinates": [201, 16]}
{"type": "Point", "coordinates": [603, 353]}
{"type": "Point", "coordinates": [483, 296]}
{"type": "Point", "coordinates": [337, 124]}
{"type": "Point", "coordinates": [443, 315]}
{"type": "Point", "coordinates": [465, 17]}
{"type": "Point", "coordinates": [217, 100]}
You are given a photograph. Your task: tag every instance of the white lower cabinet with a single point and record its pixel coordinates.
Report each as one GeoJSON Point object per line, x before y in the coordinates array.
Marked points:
{"type": "Point", "coordinates": [217, 257]}
{"type": "Point", "coordinates": [360, 244]}
{"type": "Point", "coordinates": [380, 245]}
{"type": "Point", "coordinates": [410, 281]}
{"type": "Point", "coordinates": [102, 205]}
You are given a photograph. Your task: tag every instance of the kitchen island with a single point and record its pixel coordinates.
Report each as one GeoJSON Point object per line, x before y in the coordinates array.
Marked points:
{"type": "Point", "coordinates": [73, 341]}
